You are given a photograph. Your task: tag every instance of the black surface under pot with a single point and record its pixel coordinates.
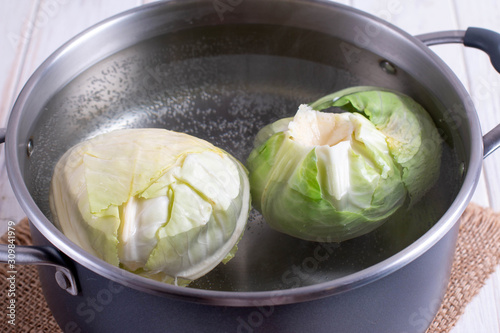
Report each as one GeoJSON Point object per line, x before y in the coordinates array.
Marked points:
{"type": "Point", "coordinates": [222, 75]}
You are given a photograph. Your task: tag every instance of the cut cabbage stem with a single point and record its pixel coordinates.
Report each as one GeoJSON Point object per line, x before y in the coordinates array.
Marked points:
{"type": "Point", "coordinates": [312, 128]}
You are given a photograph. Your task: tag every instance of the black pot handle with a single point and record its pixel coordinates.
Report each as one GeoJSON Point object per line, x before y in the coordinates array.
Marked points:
{"type": "Point", "coordinates": [479, 38]}
{"type": "Point", "coordinates": [3, 132]}
{"type": "Point", "coordinates": [486, 40]}
{"type": "Point", "coordinates": [13, 255]}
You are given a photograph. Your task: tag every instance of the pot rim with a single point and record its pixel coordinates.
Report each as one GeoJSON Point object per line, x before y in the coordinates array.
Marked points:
{"type": "Point", "coordinates": [242, 298]}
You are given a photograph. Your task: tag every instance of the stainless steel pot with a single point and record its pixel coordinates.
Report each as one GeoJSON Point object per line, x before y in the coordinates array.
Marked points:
{"type": "Point", "coordinates": [220, 73]}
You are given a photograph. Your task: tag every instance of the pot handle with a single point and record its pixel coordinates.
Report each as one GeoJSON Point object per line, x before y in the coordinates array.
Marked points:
{"type": "Point", "coordinates": [3, 132]}
{"type": "Point", "coordinates": [479, 38]}
{"type": "Point", "coordinates": [12, 255]}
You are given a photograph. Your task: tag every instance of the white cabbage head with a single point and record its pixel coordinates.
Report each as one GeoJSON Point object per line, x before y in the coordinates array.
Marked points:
{"type": "Point", "coordinates": [158, 203]}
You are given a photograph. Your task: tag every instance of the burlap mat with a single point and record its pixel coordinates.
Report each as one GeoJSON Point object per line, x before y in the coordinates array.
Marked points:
{"type": "Point", "coordinates": [477, 255]}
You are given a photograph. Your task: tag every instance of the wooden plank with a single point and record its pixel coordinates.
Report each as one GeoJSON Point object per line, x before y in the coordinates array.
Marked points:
{"type": "Point", "coordinates": [481, 196]}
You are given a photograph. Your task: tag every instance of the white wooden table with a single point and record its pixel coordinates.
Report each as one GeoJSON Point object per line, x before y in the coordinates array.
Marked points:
{"type": "Point", "coordinates": [30, 30]}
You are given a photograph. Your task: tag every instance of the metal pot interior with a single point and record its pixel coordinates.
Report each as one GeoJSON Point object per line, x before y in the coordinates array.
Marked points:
{"type": "Point", "coordinates": [223, 82]}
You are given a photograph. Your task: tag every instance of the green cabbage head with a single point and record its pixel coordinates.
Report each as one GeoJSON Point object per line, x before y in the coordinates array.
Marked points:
{"type": "Point", "coordinates": [324, 176]}
{"type": "Point", "coordinates": [158, 203]}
